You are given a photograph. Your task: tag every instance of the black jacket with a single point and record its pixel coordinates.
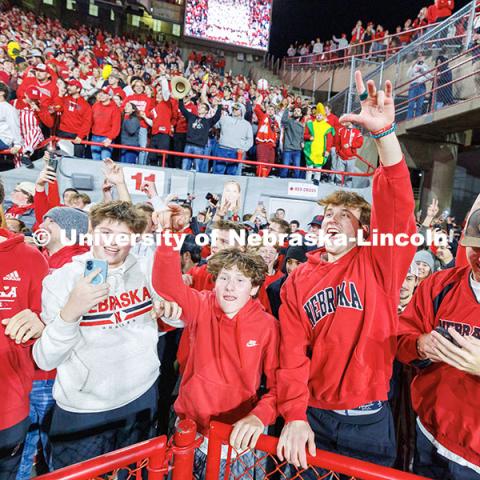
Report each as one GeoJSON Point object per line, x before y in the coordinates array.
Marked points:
{"type": "Point", "coordinates": [198, 127]}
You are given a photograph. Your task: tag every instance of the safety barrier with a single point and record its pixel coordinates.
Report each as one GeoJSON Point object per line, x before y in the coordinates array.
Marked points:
{"type": "Point", "coordinates": [264, 464]}
{"type": "Point", "coordinates": [175, 459]}
{"type": "Point", "coordinates": [158, 457]}
{"type": "Point", "coordinates": [357, 50]}
{"type": "Point", "coordinates": [449, 38]}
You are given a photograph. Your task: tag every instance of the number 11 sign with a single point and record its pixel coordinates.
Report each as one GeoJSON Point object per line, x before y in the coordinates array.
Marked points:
{"type": "Point", "coordinates": [135, 178]}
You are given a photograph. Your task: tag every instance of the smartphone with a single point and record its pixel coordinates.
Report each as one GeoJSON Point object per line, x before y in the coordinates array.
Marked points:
{"type": "Point", "coordinates": [94, 264]}
{"type": "Point", "coordinates": [53, 162]}
{"type": "Point", "coordinates": [444, 333]}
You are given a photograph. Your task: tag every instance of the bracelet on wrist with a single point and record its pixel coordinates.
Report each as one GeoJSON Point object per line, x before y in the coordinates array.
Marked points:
{"type": "Point", "coordinates": [384, 131]}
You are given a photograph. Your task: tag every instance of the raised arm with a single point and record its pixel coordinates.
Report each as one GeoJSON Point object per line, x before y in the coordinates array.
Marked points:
{"type": "Point", "coordinates": [393, 203]}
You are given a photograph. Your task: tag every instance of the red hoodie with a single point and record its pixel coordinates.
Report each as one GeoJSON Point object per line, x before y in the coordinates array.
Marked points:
{"type": "Point", "coordinates": [106, 120]}
{"type": "Point", "coordinates": [22, 269]}
{"type": "Point", "coordinates": [444, 398]}
{"type": "Point", "coordinates": [228, 355]}
{"type": "Point", "coordinates": [348, 141]}
{"type": "Point", "coordinates": [76, 116]}
{"type": "Point", "coordinates": [164, 116]}
{"type": "Point", "coordinates": [143, 103]}
{"type": "Point", "coordinates": [346, 312]}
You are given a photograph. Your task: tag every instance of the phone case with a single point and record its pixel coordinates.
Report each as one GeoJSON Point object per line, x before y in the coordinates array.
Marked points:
{"type": "Point", "coordinates": [92, 265]}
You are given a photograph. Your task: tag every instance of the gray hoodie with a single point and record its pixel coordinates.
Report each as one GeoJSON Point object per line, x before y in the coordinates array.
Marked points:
{"type": "Point", "coordinates": [109, 357]}
{"type": "Point", "coordinates": [235, 133]}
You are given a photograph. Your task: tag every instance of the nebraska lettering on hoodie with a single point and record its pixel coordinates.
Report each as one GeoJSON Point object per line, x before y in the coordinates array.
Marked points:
{"type": "Point", "coordinates": [346, 312]}
{"type": "Point", "coordinates": [444, 398]}
{"type": "Point", "coordinates": [22, 269]}
{"type": "Point", "coordinates": [109, 357]}
{"type": "Point", "coordinates": [227, 355]}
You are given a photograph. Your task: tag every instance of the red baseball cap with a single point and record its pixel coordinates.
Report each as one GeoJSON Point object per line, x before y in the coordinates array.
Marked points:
{"type": "Point", "coordinates": [75, 83]}
{"type": "Point", "coordinates": [41, 67]}
{"type": "Point", "coordinates": [32, 93]}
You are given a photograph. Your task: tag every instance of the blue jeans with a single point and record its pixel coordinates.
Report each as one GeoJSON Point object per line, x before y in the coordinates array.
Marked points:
{"type": "Point", "coordinates": [201, 165]}
{"type": "Point", "coordinates": [100, 153]}
{"type": "Point", "coordinates": [415, 105]}
{"type": "Point", "coordinates": [11, 443]}
{"type": "Point", "coordinates": [142, 142]}
{"type": "Point", "coordinates": [428, 462]}
{"type": "Point", "coordinates": [129, 156]}
{"type": "Point", "coordinates": [41, 402]}
{"type": "Point", "coordinates": [293, 158]}
{"type": "Point", "coordinates": [226, 168]}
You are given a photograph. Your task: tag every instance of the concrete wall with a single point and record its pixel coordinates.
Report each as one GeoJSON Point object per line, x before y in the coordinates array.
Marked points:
{"type": "Point", "coordinates": [274, 192]}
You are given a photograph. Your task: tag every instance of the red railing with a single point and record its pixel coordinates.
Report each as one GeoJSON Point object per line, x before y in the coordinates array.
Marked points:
{"type": "Point", "coordinates": [239, 160]}
{"type": "Point", "coordinates": [157, 457]}
{"type": "Point", "coordinates": [175, 460]}
{"type": "Point", "coordinates": [150, 455]}
{"type": "Point", "coordinates": [263, 462]}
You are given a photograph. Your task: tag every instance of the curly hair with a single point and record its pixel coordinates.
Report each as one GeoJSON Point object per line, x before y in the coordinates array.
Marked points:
{"type": "Point", "coordinates": [250, 264]}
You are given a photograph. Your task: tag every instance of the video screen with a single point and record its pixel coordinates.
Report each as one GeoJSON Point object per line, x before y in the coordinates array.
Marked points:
{"type": "Point", "coordinates": [244, 23]}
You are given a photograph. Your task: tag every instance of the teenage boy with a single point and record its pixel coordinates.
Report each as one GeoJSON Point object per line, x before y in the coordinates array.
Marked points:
{"type": "Point", "coordinates": [338, 317]}
{"type": "Point", "coordinates": [102, 340]}
{"type": "Point", "coordinates": [74, 223]}
{"type": "Point", "coordinates": [444, 392]}
{"type": "Point", "coordinates": [233, 342]}
{"type": "Point", "coordinates": [22, 269]}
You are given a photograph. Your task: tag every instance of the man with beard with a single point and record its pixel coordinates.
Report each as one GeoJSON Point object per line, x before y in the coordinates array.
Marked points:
{"type": "Point", "coordinates": [293, 140]}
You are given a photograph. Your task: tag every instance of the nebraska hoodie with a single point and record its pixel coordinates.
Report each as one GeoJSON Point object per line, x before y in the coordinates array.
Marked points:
{"type": "Point", "coordinates": [22, 269]}
{"type": "Point", "coordinates": [109, 357]}
{"type": "Point", "coordinates": [227, 355]}
{"type": "Point", "coordinates": [445, 398]}
{"type": "Point", "coordinates": [346, 313]}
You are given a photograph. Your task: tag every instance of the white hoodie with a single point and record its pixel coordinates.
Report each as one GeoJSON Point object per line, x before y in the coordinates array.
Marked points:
{"type": "Point", "coordinates": [109, 357]}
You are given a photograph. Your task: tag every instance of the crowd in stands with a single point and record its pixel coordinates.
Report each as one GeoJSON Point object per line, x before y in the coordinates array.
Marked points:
{"type": "Point", "coordinates": [370, 40]}
{"type": "Point", "coordinates": [315, 340]}
{"type": "Point", "coordinates": [86, 85]}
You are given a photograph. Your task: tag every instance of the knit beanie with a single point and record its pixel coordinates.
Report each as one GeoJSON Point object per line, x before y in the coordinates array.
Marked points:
{"type": "Point", "coordinates": [69, 219]}
{"type": "Point", "coordinates": [425, 257]}
{"type": "Point", "coordinates": [297, 253]}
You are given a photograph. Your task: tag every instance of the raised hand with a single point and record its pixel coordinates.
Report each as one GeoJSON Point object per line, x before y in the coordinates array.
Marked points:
{"type": "Point", "coordinates": [172, 218]}
{"type": "Point", "coordinates": [378, 109]}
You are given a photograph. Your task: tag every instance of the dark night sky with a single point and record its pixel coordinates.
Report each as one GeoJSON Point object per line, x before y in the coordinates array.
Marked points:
{"type": "Point", "coordinates": [306, 19]}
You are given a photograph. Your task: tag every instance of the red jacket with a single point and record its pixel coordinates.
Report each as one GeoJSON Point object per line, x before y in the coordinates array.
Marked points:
{"type": "Point", "coordinates": [267, 128]}
{"type": "Point", "coordinates": [346, 312]}
{"type": "Point", "coordinates": [106, 120]}
{"type": "Point", "coordinates": [22, 269]}
{"type": "Point", "coordinates": [76, 116]}
{"type": "Point", "coordinates": [444, 398]}
{"type": "Point", "coordinates": [164, 116]}
{"type": "Point", "coordinates": [181, 125]}
{"type": "Point", "coordinates": [143, 103]}
{"type": "Point", "coordinates": [43, 202]}
{"type": "Point", "coordinates": [227, 357]}
{"type": "Point", "coordinates": [349, 140]}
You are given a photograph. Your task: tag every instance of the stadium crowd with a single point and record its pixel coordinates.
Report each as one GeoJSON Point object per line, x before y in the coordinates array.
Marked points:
{"type": "Point", "coordinates": [99, 345]}
{"type": "Point", "coordinates": [371, 40]}
{"type": "Point", "coordinates": [85, 85]}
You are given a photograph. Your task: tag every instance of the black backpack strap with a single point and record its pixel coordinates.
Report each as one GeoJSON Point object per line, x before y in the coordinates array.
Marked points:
{"type": "Point", "coordinates": [437, 301]}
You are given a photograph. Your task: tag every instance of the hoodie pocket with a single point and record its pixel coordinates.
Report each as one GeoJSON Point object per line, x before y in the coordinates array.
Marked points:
{"type": "Point", "coordinates": [78, 372]}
